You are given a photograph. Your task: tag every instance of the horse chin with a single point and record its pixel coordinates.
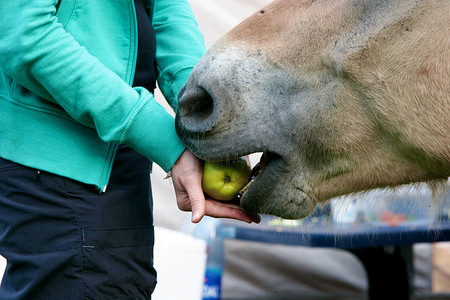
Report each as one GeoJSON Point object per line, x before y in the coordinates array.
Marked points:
{"type": "Point", "coordinates": [277, 182]}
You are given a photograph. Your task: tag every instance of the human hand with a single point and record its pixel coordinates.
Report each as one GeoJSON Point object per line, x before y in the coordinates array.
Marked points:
{"type": "Point", "coordinates": [187, 181]}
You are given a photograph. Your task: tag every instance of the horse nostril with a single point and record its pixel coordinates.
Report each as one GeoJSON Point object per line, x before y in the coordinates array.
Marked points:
{"type": "Point", "coordinates": [195, 107]}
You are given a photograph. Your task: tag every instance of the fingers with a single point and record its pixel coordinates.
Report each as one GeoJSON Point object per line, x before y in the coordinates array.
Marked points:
{"type": "Point", "coordinates": [200, 206]}
{"type": "Point", "coordinates": [218, 209]}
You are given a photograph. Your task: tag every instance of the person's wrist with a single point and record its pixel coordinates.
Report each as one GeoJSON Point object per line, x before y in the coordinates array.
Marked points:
{"type": "Point", "coordinates": [169, 173]}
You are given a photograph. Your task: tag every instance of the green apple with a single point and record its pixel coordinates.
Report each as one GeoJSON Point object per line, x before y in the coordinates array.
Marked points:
{"type": "Point", "coordinates": [223, 180]}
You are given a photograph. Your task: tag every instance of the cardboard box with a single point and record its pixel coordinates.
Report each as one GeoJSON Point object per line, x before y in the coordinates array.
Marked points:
{"type": "Point", "coordinates": [440, 260]}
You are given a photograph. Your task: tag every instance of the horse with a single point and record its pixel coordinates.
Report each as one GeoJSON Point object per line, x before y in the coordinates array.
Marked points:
{"type": "Point", "coordinates": [341, 96]}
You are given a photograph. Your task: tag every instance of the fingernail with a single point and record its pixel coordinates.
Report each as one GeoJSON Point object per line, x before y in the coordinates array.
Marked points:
{"type": "Point", "coordinates": [195, 217]}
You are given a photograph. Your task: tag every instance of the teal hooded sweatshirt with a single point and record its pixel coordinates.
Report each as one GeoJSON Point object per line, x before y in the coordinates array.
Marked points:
{"type": "Point", "coordinates": [66, 100]}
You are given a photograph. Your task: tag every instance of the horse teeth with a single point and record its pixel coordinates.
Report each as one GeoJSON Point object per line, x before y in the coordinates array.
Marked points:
{"type": "Point", "coordinates": [246, 187]}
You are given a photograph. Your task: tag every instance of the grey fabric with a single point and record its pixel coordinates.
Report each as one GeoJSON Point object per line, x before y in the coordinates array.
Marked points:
{"type": "Point", "coordinates": [422, 269]}
{"type": "Point", "coordinates": [260, 271]}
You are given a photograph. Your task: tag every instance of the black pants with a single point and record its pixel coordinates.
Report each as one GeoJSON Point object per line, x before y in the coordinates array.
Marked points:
{"type": "Point", "coordinates": [64, 240]}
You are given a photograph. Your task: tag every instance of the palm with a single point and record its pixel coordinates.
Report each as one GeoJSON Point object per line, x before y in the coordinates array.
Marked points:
{"type": "Point", "coordinates": [187, 174]}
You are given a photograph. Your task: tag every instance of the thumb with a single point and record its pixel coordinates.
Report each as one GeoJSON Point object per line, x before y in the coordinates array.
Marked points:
{"type": "Point", "coordinates": [198, 204]}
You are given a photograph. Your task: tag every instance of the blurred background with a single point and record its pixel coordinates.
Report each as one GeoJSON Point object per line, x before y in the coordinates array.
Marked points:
{"type": "Point", "coordinates": [264, 271]}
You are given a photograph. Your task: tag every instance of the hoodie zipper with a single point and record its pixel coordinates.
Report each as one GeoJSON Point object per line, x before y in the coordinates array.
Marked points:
{"type": "Point", "coordinates": [112, 150]}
